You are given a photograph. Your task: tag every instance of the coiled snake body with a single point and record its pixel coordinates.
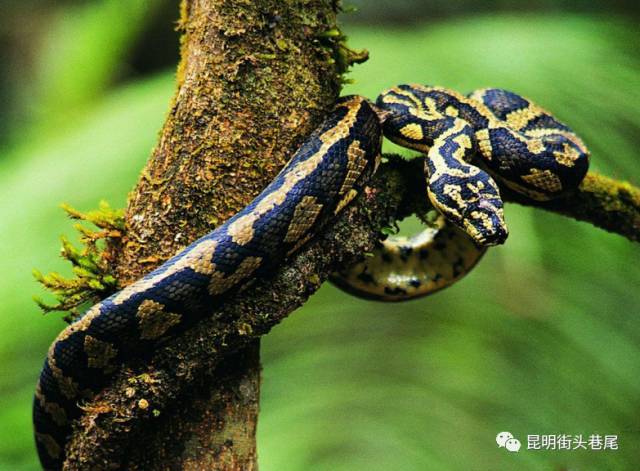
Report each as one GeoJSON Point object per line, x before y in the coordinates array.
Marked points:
{"type": "Point", "coordinates": [516, 142]}
{"type": "Point", "coordinates": [469, 141]}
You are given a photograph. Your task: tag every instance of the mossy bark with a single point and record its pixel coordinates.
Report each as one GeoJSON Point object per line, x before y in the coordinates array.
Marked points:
{"type": "Point", "coordinates": [253, 81]}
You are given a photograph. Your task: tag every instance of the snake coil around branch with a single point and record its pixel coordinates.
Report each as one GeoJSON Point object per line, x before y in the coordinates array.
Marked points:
{"type": "Point", "coordinates": [532, 154]}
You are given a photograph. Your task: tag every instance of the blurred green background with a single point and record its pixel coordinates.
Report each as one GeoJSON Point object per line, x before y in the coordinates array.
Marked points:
{"type": "Point", "coordinates": [542, 338]}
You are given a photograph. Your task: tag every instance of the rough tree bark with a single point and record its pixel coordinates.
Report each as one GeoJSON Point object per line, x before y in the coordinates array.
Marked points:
{"type": "Point", "coordinates": [253, 81]}
{"type": "Point", "coordinates": [255, 77]}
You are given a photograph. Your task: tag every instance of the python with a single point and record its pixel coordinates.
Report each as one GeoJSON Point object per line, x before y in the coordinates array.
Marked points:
{"type": "Point", "coordinates": [469, 143]}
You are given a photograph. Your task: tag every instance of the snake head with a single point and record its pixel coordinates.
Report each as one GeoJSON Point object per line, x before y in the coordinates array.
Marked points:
{"type": "Point", "coordinates": [473, 204]}
{"type": "Point", "coordinates": [484, 222]}
{"type": "Point", "coordinates": [483, 212]}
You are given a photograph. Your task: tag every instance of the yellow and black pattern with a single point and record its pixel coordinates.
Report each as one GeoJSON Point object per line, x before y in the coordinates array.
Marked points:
{"type": "Point", "coordinates": [468, 141]}
{"type": "Point", "coordinates": [321, 178]}
{"type": "Point", "coordinates": [511, 138]}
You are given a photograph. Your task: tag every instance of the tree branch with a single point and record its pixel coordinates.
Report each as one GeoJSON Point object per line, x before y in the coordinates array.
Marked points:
{"type": "Point", "coordinates": [602, 201]}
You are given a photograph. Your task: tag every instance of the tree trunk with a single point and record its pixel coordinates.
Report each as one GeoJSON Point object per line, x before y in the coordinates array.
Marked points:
{"type": "Point", "coordinates": [253, 81]}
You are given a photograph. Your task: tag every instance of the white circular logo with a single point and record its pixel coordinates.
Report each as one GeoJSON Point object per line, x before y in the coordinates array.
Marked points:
{"type": "Point", "coordinates": [506, 440]}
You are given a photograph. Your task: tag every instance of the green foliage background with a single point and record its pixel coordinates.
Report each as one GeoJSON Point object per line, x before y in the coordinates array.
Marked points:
{"type": "Point", "coordinates": [542, 337]}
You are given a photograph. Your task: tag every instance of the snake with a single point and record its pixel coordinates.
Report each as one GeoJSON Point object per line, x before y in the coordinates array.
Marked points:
{"type": "Point", "coordinates": [468, 141]}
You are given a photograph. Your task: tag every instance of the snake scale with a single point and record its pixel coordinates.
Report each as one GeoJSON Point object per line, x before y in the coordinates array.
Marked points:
{"type": "Point", "coordinates": [469, 141]}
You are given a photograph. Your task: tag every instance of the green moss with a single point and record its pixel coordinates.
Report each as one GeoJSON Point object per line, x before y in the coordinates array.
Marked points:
{"type": "Point", "coordinates": [92, 275]}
